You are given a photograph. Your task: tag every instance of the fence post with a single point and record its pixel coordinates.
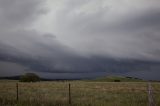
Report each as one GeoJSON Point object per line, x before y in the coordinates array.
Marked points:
{"type": "Point", "coordinates": [17, 91]}
{"type": "Point", "coordinates": [150, 95]}
{"type": "Point", "coordinates": [69, 93]}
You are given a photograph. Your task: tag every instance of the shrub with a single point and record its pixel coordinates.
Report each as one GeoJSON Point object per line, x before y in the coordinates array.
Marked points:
{"type": "Point", "coordinates": [117, 80]}
{"type": "Point", "coordinates": [29, 77]}
{"type": "Point", "coordinates": [129, 77]}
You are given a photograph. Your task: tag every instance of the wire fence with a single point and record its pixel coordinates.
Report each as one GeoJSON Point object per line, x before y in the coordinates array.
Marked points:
{"type": "Point", "coordinates": [77, 93]}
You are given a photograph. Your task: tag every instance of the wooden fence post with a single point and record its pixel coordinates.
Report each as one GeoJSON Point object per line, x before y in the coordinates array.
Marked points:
{"type": "Point", "coordinates": [69, 93]}
{"type": "Point", "coordinates": [150, 95]}
{"type": "Point", "coordinates": [17, 91]}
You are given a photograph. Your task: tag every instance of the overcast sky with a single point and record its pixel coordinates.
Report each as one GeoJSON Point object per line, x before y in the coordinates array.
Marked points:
{"type": "Point", "coordinates": [77, 35]}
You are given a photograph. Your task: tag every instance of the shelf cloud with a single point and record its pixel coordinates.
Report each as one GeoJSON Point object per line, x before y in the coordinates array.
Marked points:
{"type": "Point", "coordinates": [80, 36]}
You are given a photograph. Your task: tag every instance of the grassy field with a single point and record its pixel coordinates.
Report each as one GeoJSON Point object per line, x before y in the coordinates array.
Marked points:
{"type": "Point", "coordinates": [83, 93]}
{"type": "Point", "coordinates": [117, 78]}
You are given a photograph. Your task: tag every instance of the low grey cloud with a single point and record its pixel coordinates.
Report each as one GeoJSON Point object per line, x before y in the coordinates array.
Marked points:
{"type": "Point", "coordinates": [81, 38]}
{"type": "Point", "coordinates": [110, 29]}
{"type": "Point", "coordinates": [17, 13]}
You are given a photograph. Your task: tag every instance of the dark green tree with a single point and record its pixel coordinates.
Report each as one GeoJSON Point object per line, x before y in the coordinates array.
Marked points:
{"type": "Point", "coordinates": [29, 77]}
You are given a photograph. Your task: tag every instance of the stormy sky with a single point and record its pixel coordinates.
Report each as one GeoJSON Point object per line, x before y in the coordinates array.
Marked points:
{"type": "Point", "coordinates": [80, 38]}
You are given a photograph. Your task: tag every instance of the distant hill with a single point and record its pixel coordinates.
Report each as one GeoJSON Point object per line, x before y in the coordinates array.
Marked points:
{"type": "Point", "coordinates": [117, 79]}
{"type": "Point", "coordinates": [42, 79]}
{"type": "Point", "coordinates": [10, 78]}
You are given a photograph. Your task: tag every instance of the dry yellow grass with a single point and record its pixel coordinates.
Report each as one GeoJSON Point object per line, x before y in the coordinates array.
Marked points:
{"type": "Point", "coordinates": [83, 93]}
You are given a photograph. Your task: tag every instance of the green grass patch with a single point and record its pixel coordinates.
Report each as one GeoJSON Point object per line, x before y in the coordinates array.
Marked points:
{"type": "Point", "coordinates": [117, 79]}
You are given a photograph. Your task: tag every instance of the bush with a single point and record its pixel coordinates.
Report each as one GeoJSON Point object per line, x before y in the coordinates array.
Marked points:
{"type": "Point", "coordinates": [129, 77]}
{"type": "Point", "coordinates": [29, 77]}
{"type": "Point", "coordinates": [117, 80]}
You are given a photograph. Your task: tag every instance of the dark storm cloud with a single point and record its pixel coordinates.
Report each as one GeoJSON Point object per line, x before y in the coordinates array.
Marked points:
{"type": "Point", "coordinates": [117, 29]}
{"type": "Point", "coordinates": [137, 22]}
{"type": "Point", "coordinates": [17, 13]}
{"type": "Point", "coordinates": [83, 38]}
